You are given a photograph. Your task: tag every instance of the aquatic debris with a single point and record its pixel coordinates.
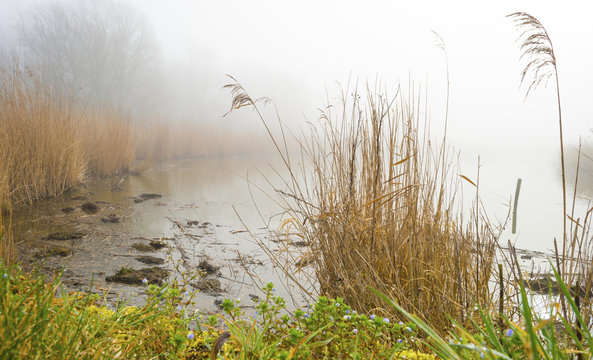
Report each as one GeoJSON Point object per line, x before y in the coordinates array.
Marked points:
{"type": "Point", "coordinates": [150, 260]}
{"type": "Point", "coordinates": [150, 196]}
{"type": "Point", "coordinates": [81, 198]}
{"type": "Point", "coordinates": [137, 200]}
{"type": "Point", "coordinates": [54, 251]}
{"type": "Point", "coordinates": [153, 275]}
{"type": "Point", "coordinates": [207, 267]}
{"type": "Point", "coordinates": [193, 222]}
{"type": "Point", "coordinates": [154, 245]}
{"type": "Point", "coordinates": [65, 235]}
{"type": "Point", "coordinates": [111, 218]}
{"type": "Point", "coordinates": [90, 207]}
{"type": "Point", "coordinates": [68, 209]}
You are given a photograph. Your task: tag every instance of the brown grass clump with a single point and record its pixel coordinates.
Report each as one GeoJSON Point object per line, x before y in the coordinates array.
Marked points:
{"type": "Point", "coordinates": [378, 208]}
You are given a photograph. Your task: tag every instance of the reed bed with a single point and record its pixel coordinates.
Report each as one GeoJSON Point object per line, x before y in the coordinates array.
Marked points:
{"type": "Point", "coordinates": [159, 139]}
{"type": "Point", "coordinates": [41, 153]}
{"type": "Point", "coordinates": [108, 142]}
{"type": "Point", "coordinates": [380, 211]}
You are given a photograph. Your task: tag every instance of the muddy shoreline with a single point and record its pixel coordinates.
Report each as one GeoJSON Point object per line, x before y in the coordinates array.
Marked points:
{"type": "Point", "coordinates": [178, 217]}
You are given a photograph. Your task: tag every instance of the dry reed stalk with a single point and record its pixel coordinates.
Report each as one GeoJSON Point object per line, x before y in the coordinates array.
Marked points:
{"type": "Point", "coordinates": [574, 261]}
{"type": "Point", "coordinates": [378, 210]}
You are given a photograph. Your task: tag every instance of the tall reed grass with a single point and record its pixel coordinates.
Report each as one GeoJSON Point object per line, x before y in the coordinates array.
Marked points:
{"type": "Point", "coordinates": [380, 210]}
{"type": "Point", "coordinates": [40, 149]}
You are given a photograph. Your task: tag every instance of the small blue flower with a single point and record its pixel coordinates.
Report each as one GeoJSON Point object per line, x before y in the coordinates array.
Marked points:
{"type": "Point", "coordinates": [373, 317]}
{"type": "Point", "coordinates": [401, 323]}
{"type": "Point", "coordinates": [338, 304]}
{"type": "Point", "coordinates": [306, 316]}
{"type": "Point", "coordinates": [190, 335]}
{"type": "Point", "coordinates": [144, 281]}
{"type": "Point", "coordinates": [386, 320]}
{"type": "Point", "coordinates": [5, 275]}
{"type": "Point", "coordinates": [346, 317]}
{"type": "Point", "coordinates": [186, 293]}
{"type": "Point", "coordinates": [482, 355]}
{"type": "Point", "coordinates": [179, 307]}
{"type": "Point", "coordinates": [355, 331]}
{"type": "Point", "coordinates": [273, 289]}
{"type": "Point", "coordinates": [399, 341]}
{"type": "Point", "coordinates": [509, 332]}
{"type": "Point", "coordinates": [347, 311]}
{"type": "Point", "coordinates": [408, 328]}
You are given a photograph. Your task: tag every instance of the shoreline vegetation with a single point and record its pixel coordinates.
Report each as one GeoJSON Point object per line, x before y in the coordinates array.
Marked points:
{"type": "Point", "coordinates": [398, 272]}
{"type": "Point", "coordinates": [49, 143]}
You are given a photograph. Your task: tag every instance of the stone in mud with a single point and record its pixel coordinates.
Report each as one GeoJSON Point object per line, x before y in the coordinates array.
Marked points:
{"type": "Point", "coordinates": [54, 251]}
{"type": "Point", "coordinates": [150, 196]}
{"type": "Point", "coordinates": [153, 275]}
{"type": "Point", "coordinates": [193, 222]}
{"type": "Point", "coordinates": [65, 235]}
{"type": "Point", "coordinates": [207, 267]}
{"type": "Point", "coordinates": [150, 260]}
{"type": "Point", "coordinates": [209, 285]}
{"type": "Point", "coordinates": [111, 218]}
{"type": "Point", "coordinates": [137, 201]}
{"type": "Point", "coordinates": [68, 209]}
{"type": "Point", "coordinates": [90, 207]}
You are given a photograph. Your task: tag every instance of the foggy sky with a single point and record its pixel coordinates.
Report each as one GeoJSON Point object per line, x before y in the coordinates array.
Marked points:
{"type": "Point", "coordinates": [294, 51]}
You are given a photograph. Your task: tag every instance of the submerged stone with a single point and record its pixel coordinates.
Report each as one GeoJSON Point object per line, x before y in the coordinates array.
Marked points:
{"type": "Point", "coordinates": [65, 235]}
{"type": "Point", "coordinates": [153, 275]}
{"type": "Point", "coordinates": [90, 207]}
{"type": "Point", "coordinates": [150, 196]}
{"type": "Point", "coordinates": [111, 218]}
{"type": "Point", "coordinates": [209, 285]}
{"type": "Point", "coordinates": [54, 251]}
{"type": "Point", "coordinates": [150, 260]}
{"type": "Point", "coordinates": [154, 245]}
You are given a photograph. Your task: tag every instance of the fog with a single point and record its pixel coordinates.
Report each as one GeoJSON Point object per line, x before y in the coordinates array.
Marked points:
{"type": "Point", "coordinates": [297, 52]}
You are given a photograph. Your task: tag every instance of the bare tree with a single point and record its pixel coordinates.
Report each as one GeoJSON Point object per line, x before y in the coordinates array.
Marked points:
{"type": "Point", "coordinates": [101, 51]}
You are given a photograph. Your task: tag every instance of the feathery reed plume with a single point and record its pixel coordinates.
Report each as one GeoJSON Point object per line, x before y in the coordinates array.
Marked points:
{"type": "Point", "coordinates": [537, 49]}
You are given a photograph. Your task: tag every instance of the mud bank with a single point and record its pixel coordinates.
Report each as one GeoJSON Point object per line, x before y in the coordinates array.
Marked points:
{"type": "Point", "coordinates": [177, 221]}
